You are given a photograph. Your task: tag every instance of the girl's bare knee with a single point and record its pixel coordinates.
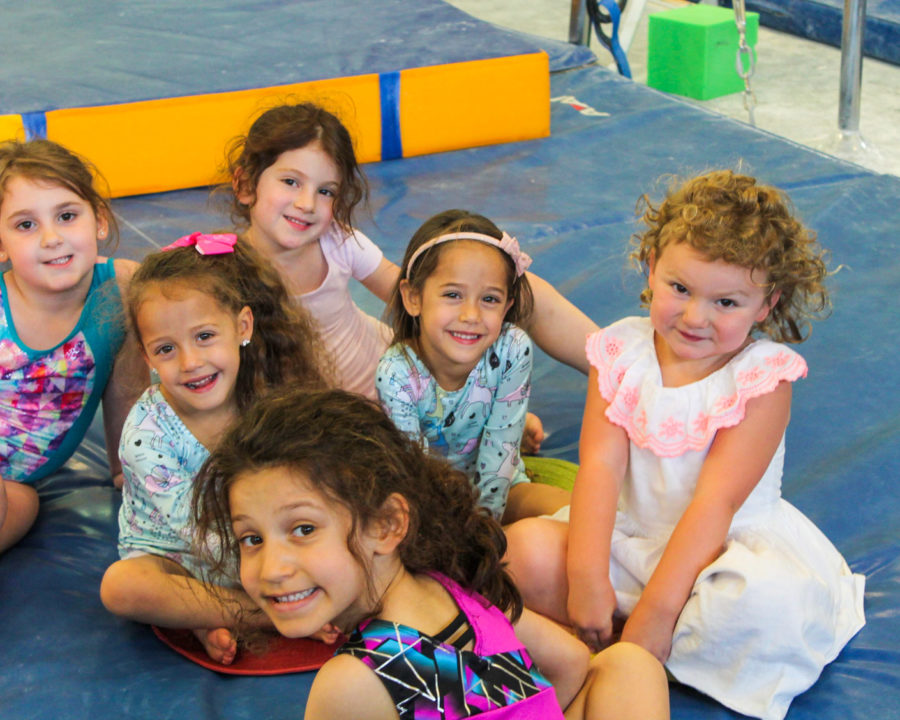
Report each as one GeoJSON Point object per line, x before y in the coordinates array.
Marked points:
{"type": "Point", "coordinates": [625, 657]}
{"type": "Point", "coordinates": [23, 501]}
{"type": "Point", "coordinates": [20, 506]}
{"type": "Point", "coordinates": [634, 675]}
{"type": "Point", "coordinates": [113, 589]}
{"type": "Point", "coordinates": [530, 550]}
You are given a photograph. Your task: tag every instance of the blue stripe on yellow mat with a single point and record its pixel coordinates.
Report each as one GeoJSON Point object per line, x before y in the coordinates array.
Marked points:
{"type": "Point", "coordinates": [35, 125]}
{"type": "Point", "coordinates": [391, 140]}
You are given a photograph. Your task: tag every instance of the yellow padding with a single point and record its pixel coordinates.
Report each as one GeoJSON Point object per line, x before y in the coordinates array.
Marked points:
{"type": "Point", "coordinates": [11, 127]}
{"type": "Point", "coordinates": [481, 102]}
{"type": "Point", "coordinates": [174, 143]}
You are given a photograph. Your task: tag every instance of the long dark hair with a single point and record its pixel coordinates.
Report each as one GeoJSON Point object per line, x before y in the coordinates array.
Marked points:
{"type": "Point", "coordinates": [349, 450]}
{"type": "Point", "coordinates": [289, 127]}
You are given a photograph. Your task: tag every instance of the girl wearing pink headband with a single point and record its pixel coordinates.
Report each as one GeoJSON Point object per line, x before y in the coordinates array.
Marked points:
{"type": "Point", "coordinates": [458, 375]}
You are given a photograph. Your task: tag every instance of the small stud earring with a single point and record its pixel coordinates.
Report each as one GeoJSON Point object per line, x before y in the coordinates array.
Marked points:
{"type": "Point", "coordinates": [245, 342]}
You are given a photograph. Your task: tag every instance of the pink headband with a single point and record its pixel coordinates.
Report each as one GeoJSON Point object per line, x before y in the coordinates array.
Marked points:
{"type": "Point", "coordinates": [507, 244]}
{"type": "Point", "coordinates": [206, 244]}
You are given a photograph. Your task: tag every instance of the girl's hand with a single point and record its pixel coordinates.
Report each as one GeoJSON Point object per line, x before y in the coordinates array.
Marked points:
{"type": "Point", "coordinates": [651, 630]}
{"type": "Point", "coordinates": [533, 435]}
{"type": "Point", "coordinates": [591, 614]}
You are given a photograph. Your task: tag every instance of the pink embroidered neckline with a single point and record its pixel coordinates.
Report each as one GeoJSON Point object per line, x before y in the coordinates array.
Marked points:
{"type": "Point", "coordinates": [672, 421]}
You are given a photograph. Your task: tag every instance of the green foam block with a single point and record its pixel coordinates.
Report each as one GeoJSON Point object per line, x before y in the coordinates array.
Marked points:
{"type": "Point", "coordinates": [692, 51]}
{"type": "Point", "coordinates": [552, 471]}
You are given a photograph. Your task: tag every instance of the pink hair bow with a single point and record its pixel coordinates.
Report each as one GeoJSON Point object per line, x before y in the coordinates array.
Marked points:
{"type": "Point", "coordinates": [206, 244]}
{"type": "Point", "coordinates": [510, 246]}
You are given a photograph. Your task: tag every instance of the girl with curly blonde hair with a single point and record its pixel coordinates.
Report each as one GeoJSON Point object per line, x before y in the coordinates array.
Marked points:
{"type": "Point", "coordinates": [677, 536]}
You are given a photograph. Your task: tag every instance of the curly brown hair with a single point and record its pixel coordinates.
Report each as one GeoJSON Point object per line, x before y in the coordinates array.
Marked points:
{"type": "Point", "coordinates": [285, 346]}
{"type": "Point", "coordinates": [405, 326]}
{"type": "Point", "coordinates": [290, 127]}
{"type": "Point", "coordinates": [348, 449]}
{"type": "Point", "coordinates": [731, 217]}
{"type": "Point", "coordinates": [49, 162]}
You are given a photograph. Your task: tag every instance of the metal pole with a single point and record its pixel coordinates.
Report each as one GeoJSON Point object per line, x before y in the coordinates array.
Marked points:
{"type": "Point", "coordinates": [579, 27]}
{"type": "Point", "coordinates": [848, 142]}
{"type": "Point", "coordinates": [851, 64]}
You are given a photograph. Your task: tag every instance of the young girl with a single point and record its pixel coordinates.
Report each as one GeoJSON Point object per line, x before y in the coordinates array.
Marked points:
{"type": "Point", "coordinates": [218, 327]}
{"type": "Point", "coordinates": [61, 326]}
{"type": "Point", "coordinates": [684, 426]}
{"type": "Point", "coordinates": [296, 185]}
{"type": "Point", "coordinates": [337, 517]}
{"type": "Point", "coordinates": [458, 375]}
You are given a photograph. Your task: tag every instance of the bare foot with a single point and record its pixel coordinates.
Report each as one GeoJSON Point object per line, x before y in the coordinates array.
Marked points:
{"type": "Point", "coordinates": [219, 644]}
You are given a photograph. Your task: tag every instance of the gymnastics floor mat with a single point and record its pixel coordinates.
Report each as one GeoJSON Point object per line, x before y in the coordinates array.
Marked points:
{"type": "Point", "coordinates": [569, 198]}
{"type": "Point", "coordinates": [822, 20]}
{"type": "Point", "coordinates": [152, 90]}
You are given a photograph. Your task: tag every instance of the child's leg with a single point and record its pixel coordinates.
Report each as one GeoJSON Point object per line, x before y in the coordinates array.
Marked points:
{"type": "Point", "coordinates": [158, 591]}
{"type": "Point", "coordinates": [531, 499]}
{"type": "Point", "coordinates": [624, 682]}
{"type": "Point", "coordinates": [536, 557]}
{"type": "Point", "coordinates": [21, 508]}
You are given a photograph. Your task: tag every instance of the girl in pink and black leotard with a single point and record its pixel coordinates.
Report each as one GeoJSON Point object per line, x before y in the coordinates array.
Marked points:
{"type": "Point", "coordinates": [339, 521]}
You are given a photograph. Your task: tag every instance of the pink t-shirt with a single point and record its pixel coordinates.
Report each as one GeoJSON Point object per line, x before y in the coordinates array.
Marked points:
{"type": "Point", "coordinates": [354, 339]}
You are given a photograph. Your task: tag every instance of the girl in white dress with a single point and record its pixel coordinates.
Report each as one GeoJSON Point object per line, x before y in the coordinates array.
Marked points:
{"type": "Point", "coordinates": [677, 525]}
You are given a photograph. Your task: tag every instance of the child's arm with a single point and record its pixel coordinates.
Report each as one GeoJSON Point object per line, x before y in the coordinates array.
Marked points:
{"type": "Point", "coordinates": [128, 380]}
{"type": "Point", "coordinates": [736, 461]}
{"type": "Point", "coordinates": [603, 454]}
{"type": "Point", "coordinates": [498, 450]}
{"type": "Point", "coordinates": [397, 383]}
{"type": "Point", "coordinates": [155, 590]}
{"type": "Point", "coordinates": [382, 281]}
{"type": "Point", "coordinates": [561, 657]}
{"type": "Point", "coordinates": [345, 688]}
{"type": "Point", "coordinates": [557, 326]}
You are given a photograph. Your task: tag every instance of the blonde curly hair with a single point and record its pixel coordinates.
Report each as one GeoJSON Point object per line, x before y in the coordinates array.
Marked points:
{"type": "Point", "coordinates": [730, 217]}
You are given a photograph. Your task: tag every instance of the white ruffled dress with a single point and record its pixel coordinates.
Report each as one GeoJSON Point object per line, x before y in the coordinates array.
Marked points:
{"type": "Point", "coordinates": [779, 603]}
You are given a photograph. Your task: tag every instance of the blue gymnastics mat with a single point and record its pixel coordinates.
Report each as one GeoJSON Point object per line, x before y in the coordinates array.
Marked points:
{"type": "Point", "coordinates": [821, 20]}
{"type": "Point", "coordinates": [569, 198]}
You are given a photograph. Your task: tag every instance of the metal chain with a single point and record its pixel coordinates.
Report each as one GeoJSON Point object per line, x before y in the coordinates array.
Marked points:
{"type": "Point", "coordinates": [744, 58]}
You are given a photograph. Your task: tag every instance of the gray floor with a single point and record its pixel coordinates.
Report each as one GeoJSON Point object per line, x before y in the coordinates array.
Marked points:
{"type": "Point", "coordinates": [796, 82]}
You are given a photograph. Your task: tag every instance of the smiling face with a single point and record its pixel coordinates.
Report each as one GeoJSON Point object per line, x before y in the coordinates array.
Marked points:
{"type": "Point", "coordinates": [293, 203]}
{"type": "Point", "coordinates": [461, 308]}
{"type": "Point", "coordinates": [294, 557]}
{"type": "Point", "coordinates": [49, 235]}
{"type": "Point", "coordinates": [193, 344]}
{"type": "Point", "coordinates": [702, 311]}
